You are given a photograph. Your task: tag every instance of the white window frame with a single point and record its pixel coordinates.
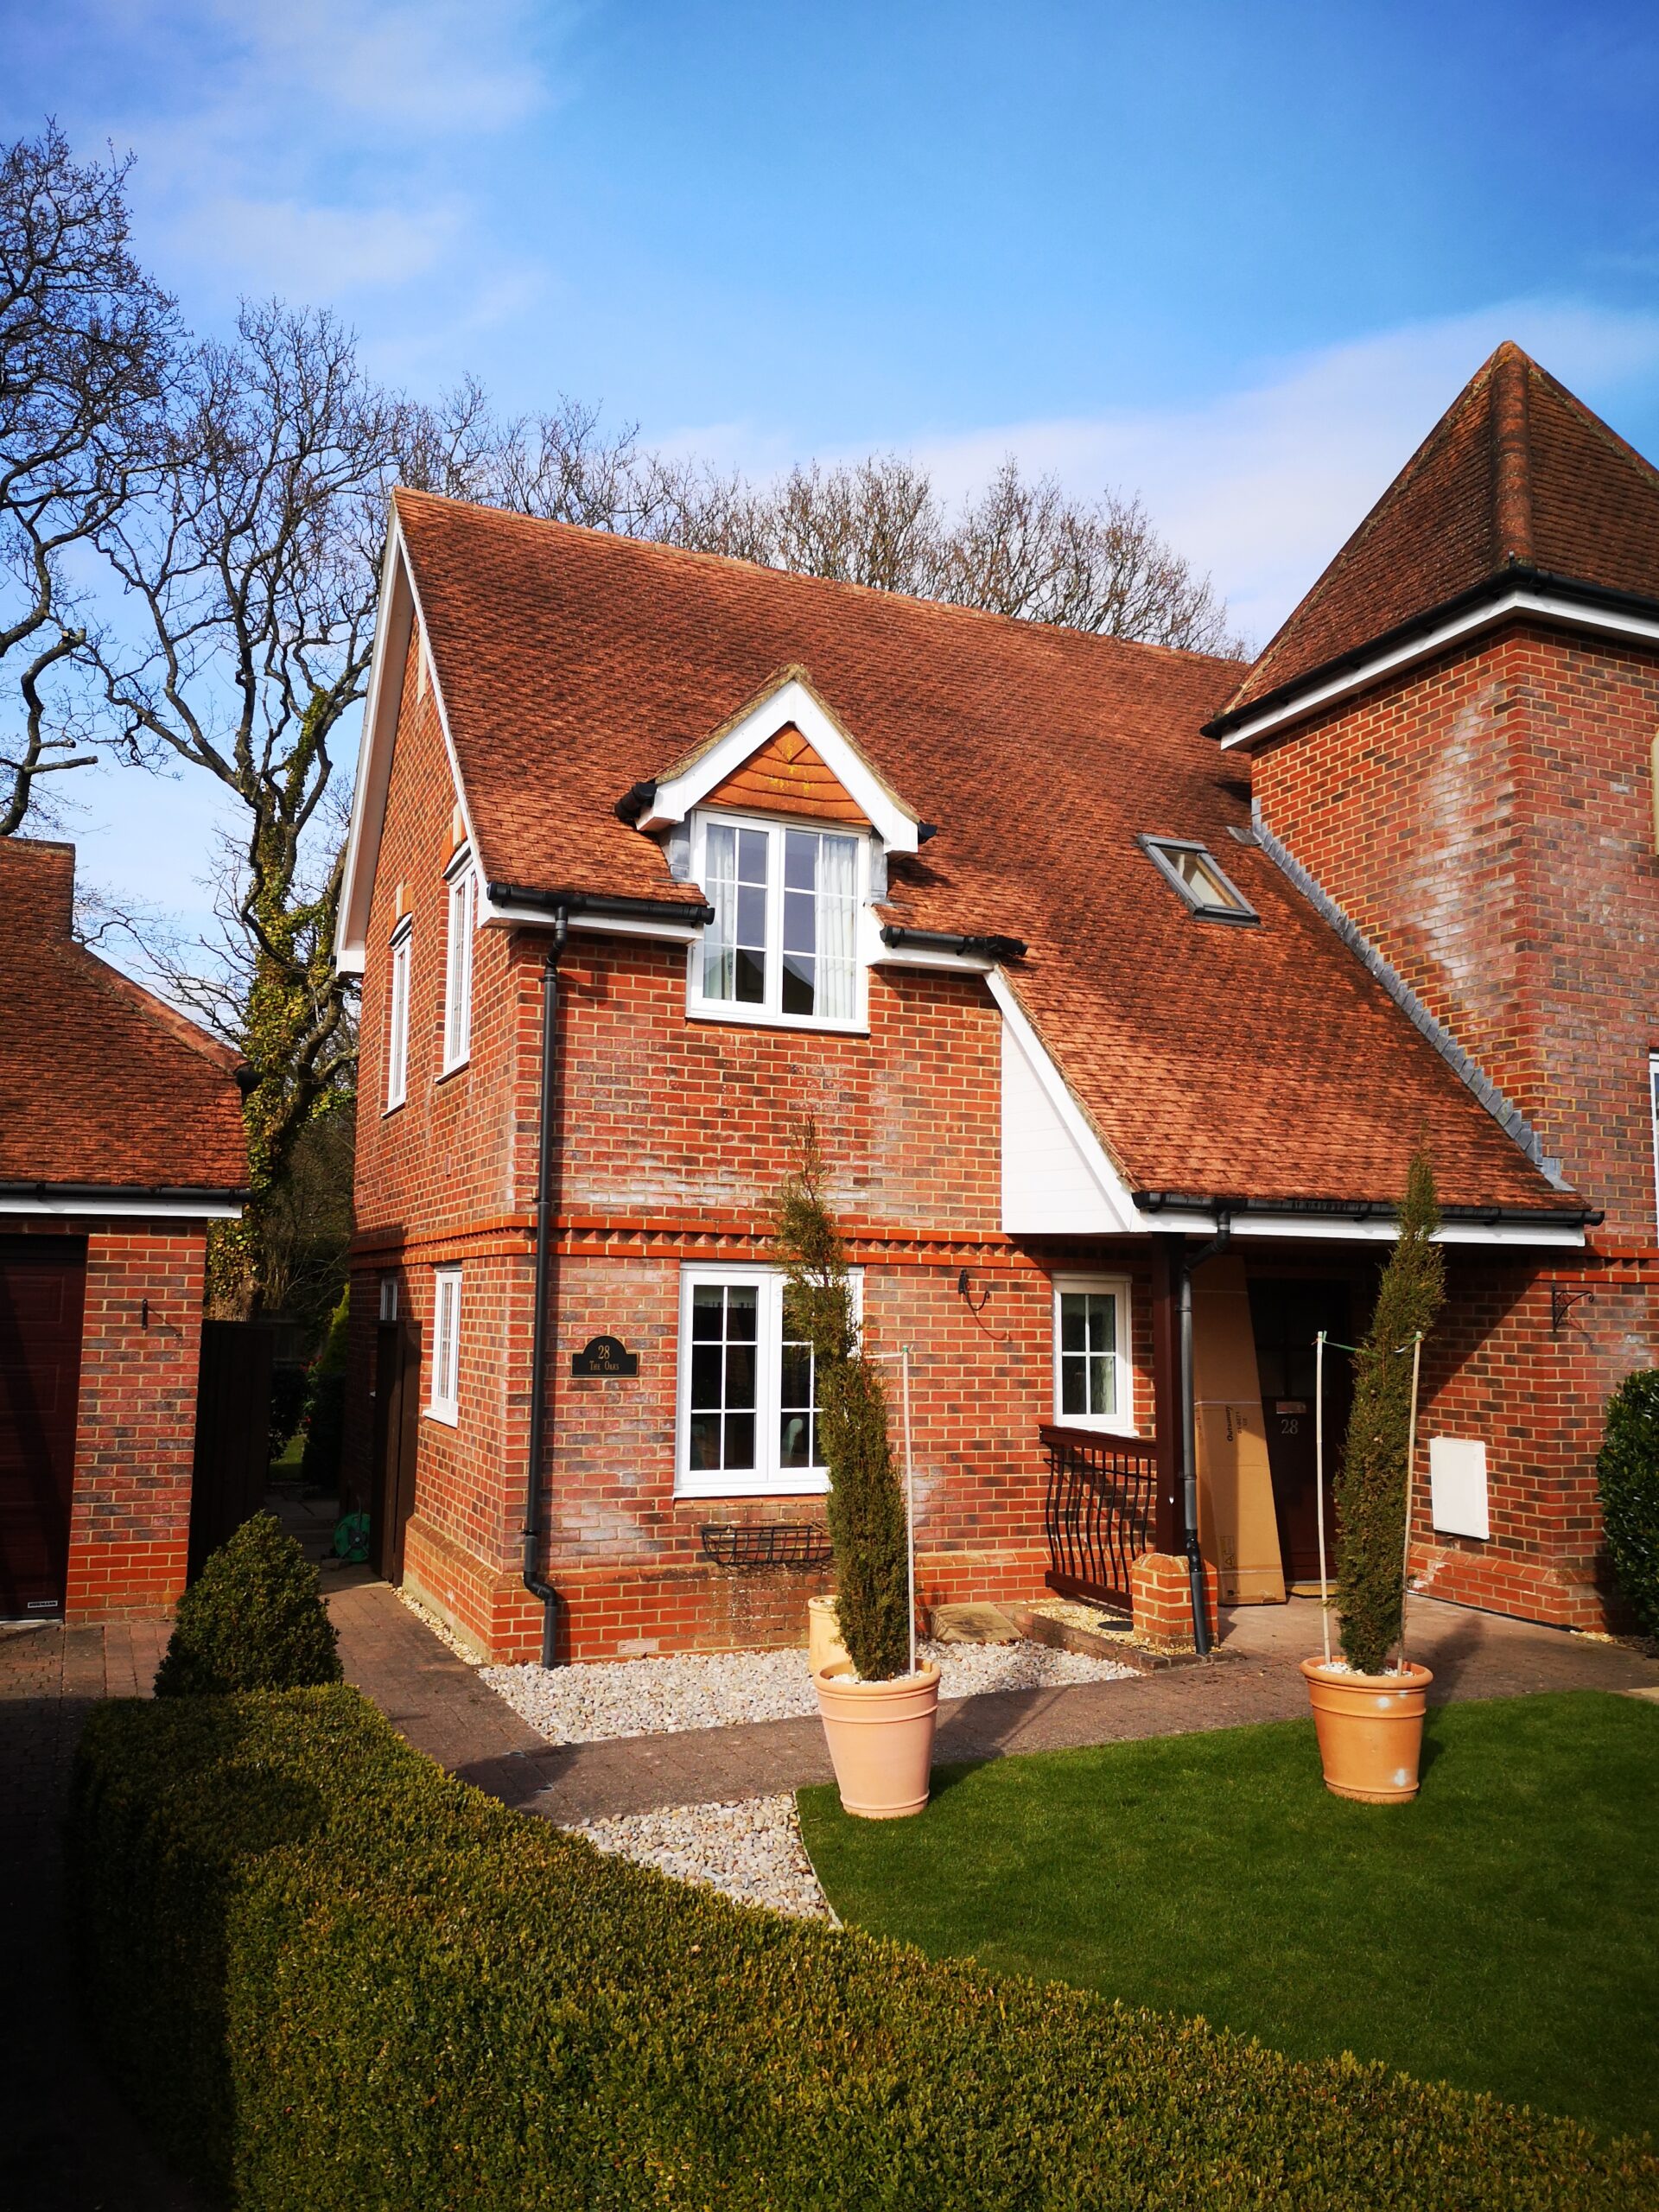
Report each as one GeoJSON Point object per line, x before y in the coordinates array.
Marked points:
{"type": "Point", "coordinates": [770, 1011]}
{"type": "Point", "coordinates": [1121, 1422]}
{"type": "Point", "coordinates": [443, 1390]}
{"type": "Point", "coordinates": [1653, 1114]}
{"type": "Point", "coordinates": [388, 1298]}
{"type": "Point", "coordinates": [459, 943]}
{"type": "Point", "coordinates": [767, 1479]}
{"type": "Point", "coordinates": [397, 1014]}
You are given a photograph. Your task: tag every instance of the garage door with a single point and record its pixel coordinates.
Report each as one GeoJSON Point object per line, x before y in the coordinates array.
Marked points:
{"type": "Point", "coordinates": [43, 1289]}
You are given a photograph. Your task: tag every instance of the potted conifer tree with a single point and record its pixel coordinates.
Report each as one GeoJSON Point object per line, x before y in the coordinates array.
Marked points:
{"type": "Point", "coordinates": [879, 1717]}
{"type": "Point", "coordinates": [1368, 1705]}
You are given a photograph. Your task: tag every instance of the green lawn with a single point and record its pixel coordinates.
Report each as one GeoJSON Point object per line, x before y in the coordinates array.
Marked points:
{"type": "Point", "coordinates": [1501, 1932]}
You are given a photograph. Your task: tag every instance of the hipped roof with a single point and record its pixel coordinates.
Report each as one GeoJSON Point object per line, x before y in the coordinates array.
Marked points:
{"type": "Point", "coordinates": [1517, 476]}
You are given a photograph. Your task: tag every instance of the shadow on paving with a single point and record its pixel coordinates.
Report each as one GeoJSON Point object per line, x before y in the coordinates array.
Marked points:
{"type": "Point", "coordinates": [67, 2142]}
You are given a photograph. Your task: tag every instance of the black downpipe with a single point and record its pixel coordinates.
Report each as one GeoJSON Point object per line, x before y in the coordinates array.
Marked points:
{"type": "Point", "coordinates": [1189, 1439]}
{"type": "Point", "coordinates": [537, 1586]}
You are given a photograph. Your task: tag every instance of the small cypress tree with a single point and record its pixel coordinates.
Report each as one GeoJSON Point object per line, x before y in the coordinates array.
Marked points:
{"type": "Point", "coordinates": [1371, 1486]}
{"type": "Point", "coordinates": [866, 1505]}
{"type": "Point", "coordinates": [254, 1619]}
{"type": "Point", "coordinates": [1627, 1475]}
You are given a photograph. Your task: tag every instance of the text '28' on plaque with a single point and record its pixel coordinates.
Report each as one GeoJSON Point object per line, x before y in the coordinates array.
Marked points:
{"type": "Point", "coordinates": [604, 1355]}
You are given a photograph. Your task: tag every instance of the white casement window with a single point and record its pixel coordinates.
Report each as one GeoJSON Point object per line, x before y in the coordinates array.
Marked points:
{"type": "Point", "coordinates": [782, 946]}
{"type": "Point", "coordinates": [443, 1399]}
{"type": "Point", "coordinates": [1653, 1105]}
{"type": "Point", "coordinates": [397, 1020]}
{"type": "Point", "coordinates": [388, 1298]}
{"type": "Point", "coordinates": [1093, 1379]}
{"type": "Point", "coordinates": [748, 1422]}
{"type": "Point", "coordinates": [458, 971]}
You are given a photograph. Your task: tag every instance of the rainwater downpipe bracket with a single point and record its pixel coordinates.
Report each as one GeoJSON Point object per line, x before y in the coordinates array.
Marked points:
{"type": "Point", "coordinates": [1190, 1263]}
{"type": "Point", "coordinates": [534, 1580]}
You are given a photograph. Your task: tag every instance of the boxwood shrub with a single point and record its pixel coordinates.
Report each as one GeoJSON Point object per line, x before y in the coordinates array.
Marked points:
{"type": "Point", "coordinates": [333, 1977]}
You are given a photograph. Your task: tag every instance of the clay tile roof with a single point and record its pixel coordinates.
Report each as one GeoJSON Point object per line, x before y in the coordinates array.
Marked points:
{"type": "Point", "coordinates": [1516, 473]}
{"type": "Point", "coordinates": [102, 1083]}
{"type": "Point", "coordinates": [1259, 1062]}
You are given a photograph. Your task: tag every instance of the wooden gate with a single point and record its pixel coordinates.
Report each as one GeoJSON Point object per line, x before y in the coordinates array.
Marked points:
{"type": "Point", "coordinates": [232, 1459]}
{"type": "Point", "coordinates": [42, 1295]}
{"type": "Point", "coordinates": [397, 1438]}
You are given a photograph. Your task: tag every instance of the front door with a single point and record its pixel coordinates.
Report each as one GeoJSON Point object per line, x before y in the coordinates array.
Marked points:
{"type": "Point", "coordinates": [42, 1291]}
{"type": "Point", "coordinates": [1287, 1316]}
{"type": "Point", "coordinates": [397, 1438]}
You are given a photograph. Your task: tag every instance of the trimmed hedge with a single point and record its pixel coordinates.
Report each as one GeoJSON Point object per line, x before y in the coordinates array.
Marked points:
{"type": "Point", "coordinates": [1627, 1473]}
{"type": "Point", "coordinates": [253, 1619]}
{"type": "Point", "coordinates": [333, 1977]}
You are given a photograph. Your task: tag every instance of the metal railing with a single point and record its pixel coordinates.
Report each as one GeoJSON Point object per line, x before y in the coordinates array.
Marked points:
{"type": "Point", "coordinates": [1097, 1512]}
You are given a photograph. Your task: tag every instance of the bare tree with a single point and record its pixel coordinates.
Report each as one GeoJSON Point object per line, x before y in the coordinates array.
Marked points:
{"type": "Point", "coordinates": [85, 344]}
{"type": "Point", "coordinates": [250, 568]}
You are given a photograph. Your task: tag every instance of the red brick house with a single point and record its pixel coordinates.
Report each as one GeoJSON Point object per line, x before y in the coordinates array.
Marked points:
{"type": "Point", "coordinates": [1120, 983]}
{"type": "Point", "coordinates": [120, 1139]}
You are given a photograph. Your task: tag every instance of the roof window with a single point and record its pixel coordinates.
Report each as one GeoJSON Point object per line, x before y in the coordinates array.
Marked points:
{"type": "Point", "coordinates": [1198, 875]}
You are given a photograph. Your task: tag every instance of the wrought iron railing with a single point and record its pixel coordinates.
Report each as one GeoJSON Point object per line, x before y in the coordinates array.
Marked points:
{"type": "Point", "coordinates": [1097, 1513]}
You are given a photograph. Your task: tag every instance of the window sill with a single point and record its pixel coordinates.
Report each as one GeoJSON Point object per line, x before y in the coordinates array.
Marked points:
{"type": "Point", "coordinates": [455, 1067]}
{"type": "Point", "coordinates": [760, 1017]}
{"type": "Point", "coordinates": [393, 1106]}
{"type": "Point", "coordinates": [450, 1417]}
{"type": "Point", "coordinates": [706, 1486]}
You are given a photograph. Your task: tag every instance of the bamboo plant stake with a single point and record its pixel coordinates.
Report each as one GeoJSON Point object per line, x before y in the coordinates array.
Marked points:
{"type": "Point", "coordinates": [1411, 1464]}
{"type": "Point", "coordinates": [1319, 1479]}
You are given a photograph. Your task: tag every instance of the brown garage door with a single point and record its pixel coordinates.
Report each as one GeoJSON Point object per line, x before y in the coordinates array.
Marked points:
{"type": "Point", "coordinates": [43, 1288]}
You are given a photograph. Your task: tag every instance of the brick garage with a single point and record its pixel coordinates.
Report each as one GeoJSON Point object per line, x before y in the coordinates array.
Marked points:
{"type": "Point", "coordinates": [120, 1138]}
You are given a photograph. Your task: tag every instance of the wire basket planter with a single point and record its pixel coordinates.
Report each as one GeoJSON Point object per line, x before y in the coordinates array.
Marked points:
{"type": "Point", "coordinates": [753, 1547]}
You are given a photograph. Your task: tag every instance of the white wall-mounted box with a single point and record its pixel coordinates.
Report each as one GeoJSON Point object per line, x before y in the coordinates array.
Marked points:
{"type": "Point", "coordinates": [1456, 1481]}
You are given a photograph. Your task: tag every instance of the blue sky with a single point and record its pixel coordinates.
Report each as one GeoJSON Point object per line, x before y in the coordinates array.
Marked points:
{"type": "Point", "coordinates": [1234, 256]}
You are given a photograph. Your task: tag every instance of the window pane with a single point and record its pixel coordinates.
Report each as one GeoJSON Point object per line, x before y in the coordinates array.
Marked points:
{"type": "Point", "coordinates": [837, 977]}
{"type": "Point", "coordinates": [800, 987]}
{"type": "Point", "coordinates": [705, 1440]}
{"type": "Point", "coordinates": [740, 1376]}
{"type": "Point", "coordinates": [752, 855]}
{"type": "Point", "coordinates": [800, 860]}
{"type": "Point", "coordinates": [706, 1371]}
{"type": "Point", "coordinates": [743, 1304]}
{"type": "Point", "coordinates": [734, 946]}
{"type": "Point", "coordinates": [1103, 1384]}
{"type": "Point", "coordinates": [749, 978]}
{"type": "Point", "coordinates": [707, 1309]}
{"type": "Point", "coordinates": [1073, 1386]}
{"type": "Point", "coordinates": [1074, 1308]}
{"type": "Point", "coordinates": [740, 1441]}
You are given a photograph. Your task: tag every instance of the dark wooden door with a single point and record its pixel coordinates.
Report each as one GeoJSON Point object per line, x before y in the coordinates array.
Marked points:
{"type": "Point", "coordinates": [396, 1439]}
{"type": "Point", "coordinates": [232, 1455]}
{"type": "Point", "coordinates": [42, 1294]}
{"type": "Point", "coordinates": [1287, 1316]}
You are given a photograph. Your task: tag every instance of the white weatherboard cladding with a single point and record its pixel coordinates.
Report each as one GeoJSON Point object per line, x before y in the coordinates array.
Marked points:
{"type": "Point", "coordinates": [1456, 1481]}
{"type": "Point", "coordinates": [1048, 1187]}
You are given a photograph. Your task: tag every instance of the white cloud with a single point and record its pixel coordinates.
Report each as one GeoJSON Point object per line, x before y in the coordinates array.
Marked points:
{"type": "Point", "coordinates": [1261, 485]}
{"type": "Point", "coordinates": [309, 253]}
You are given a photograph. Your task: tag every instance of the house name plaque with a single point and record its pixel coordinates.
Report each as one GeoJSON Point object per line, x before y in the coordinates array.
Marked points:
{"type": "Point", "coordinates": [604, 1355]}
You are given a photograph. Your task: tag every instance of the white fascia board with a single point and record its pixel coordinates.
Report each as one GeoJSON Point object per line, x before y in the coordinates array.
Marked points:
{"type": "Point", "coordinates": [156, 1209]}
{"type": "Point", "coordinates": [398, 611]}
{"type": "Point", "coordinates": [1433, 641]}
{"type": "Point", "coordinates": [1335, 1228]}
{"type": "Point", "coordinates": [791, 702]}
{"type": "Point", "coordinates": [1119, 1205]}
{"type": "Point", "coordinates": [507, 916]}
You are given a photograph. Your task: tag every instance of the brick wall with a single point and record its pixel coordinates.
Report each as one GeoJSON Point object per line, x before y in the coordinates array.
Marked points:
{"type": "Point", "coordinates": [130, 1518]}
{"type": "Point", "coordinates": [1487, 822]}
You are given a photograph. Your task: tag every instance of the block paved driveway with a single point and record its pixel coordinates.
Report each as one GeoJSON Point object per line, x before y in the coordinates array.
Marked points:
{"type": "Point", "coordinates": [438, 1702]}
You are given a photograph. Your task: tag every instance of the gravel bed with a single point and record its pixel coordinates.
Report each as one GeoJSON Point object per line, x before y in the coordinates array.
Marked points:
{"type": "Point", "coordinates": [751, 1851]}
{"type": "Point", "coordinates": [593, 1704]}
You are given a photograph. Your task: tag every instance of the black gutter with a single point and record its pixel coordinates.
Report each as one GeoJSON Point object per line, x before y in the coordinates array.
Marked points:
{"type": "Point", "coordinates": [1372, 1209]}
{"type": "Point", "coordinates": [1190, 1261]}
{"type": "Point", "coordinates": [535, 1582]}
{"type": "Point", "coordinates": [695, 912]}
{"type": "Point", "coordinates": [217, 1195]}
{"type": "Point", "coordinates": [975, 948]}
{"type": "Point", "coordinates": [1520, 576]}
{"type": "Point", "coordinates": [634, 801]}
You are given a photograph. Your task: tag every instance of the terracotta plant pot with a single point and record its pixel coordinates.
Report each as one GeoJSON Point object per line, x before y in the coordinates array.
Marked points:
{"type": "Point", "coordinates": [880, 1739]}
{"type": "Point", "coordinates": [1371, 1730]}
{"type": "Point", "coordinates": [823, 1645]}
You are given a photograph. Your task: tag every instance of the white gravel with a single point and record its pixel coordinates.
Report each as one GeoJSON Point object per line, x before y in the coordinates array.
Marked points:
{"type": "Point", "coordinates": [751, 1851]}
{"type": "Point", "coordinates": [593, 1704]}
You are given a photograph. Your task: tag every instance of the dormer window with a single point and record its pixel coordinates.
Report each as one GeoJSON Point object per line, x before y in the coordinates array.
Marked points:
{"type": "Point", "coordinates": [1193, 870]}
{"type": "Point", "coordinates": [782, 946]}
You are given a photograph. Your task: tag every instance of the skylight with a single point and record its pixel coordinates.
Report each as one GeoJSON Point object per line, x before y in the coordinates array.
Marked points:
{"type": "Point", "coordinates": [1196, 874]}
